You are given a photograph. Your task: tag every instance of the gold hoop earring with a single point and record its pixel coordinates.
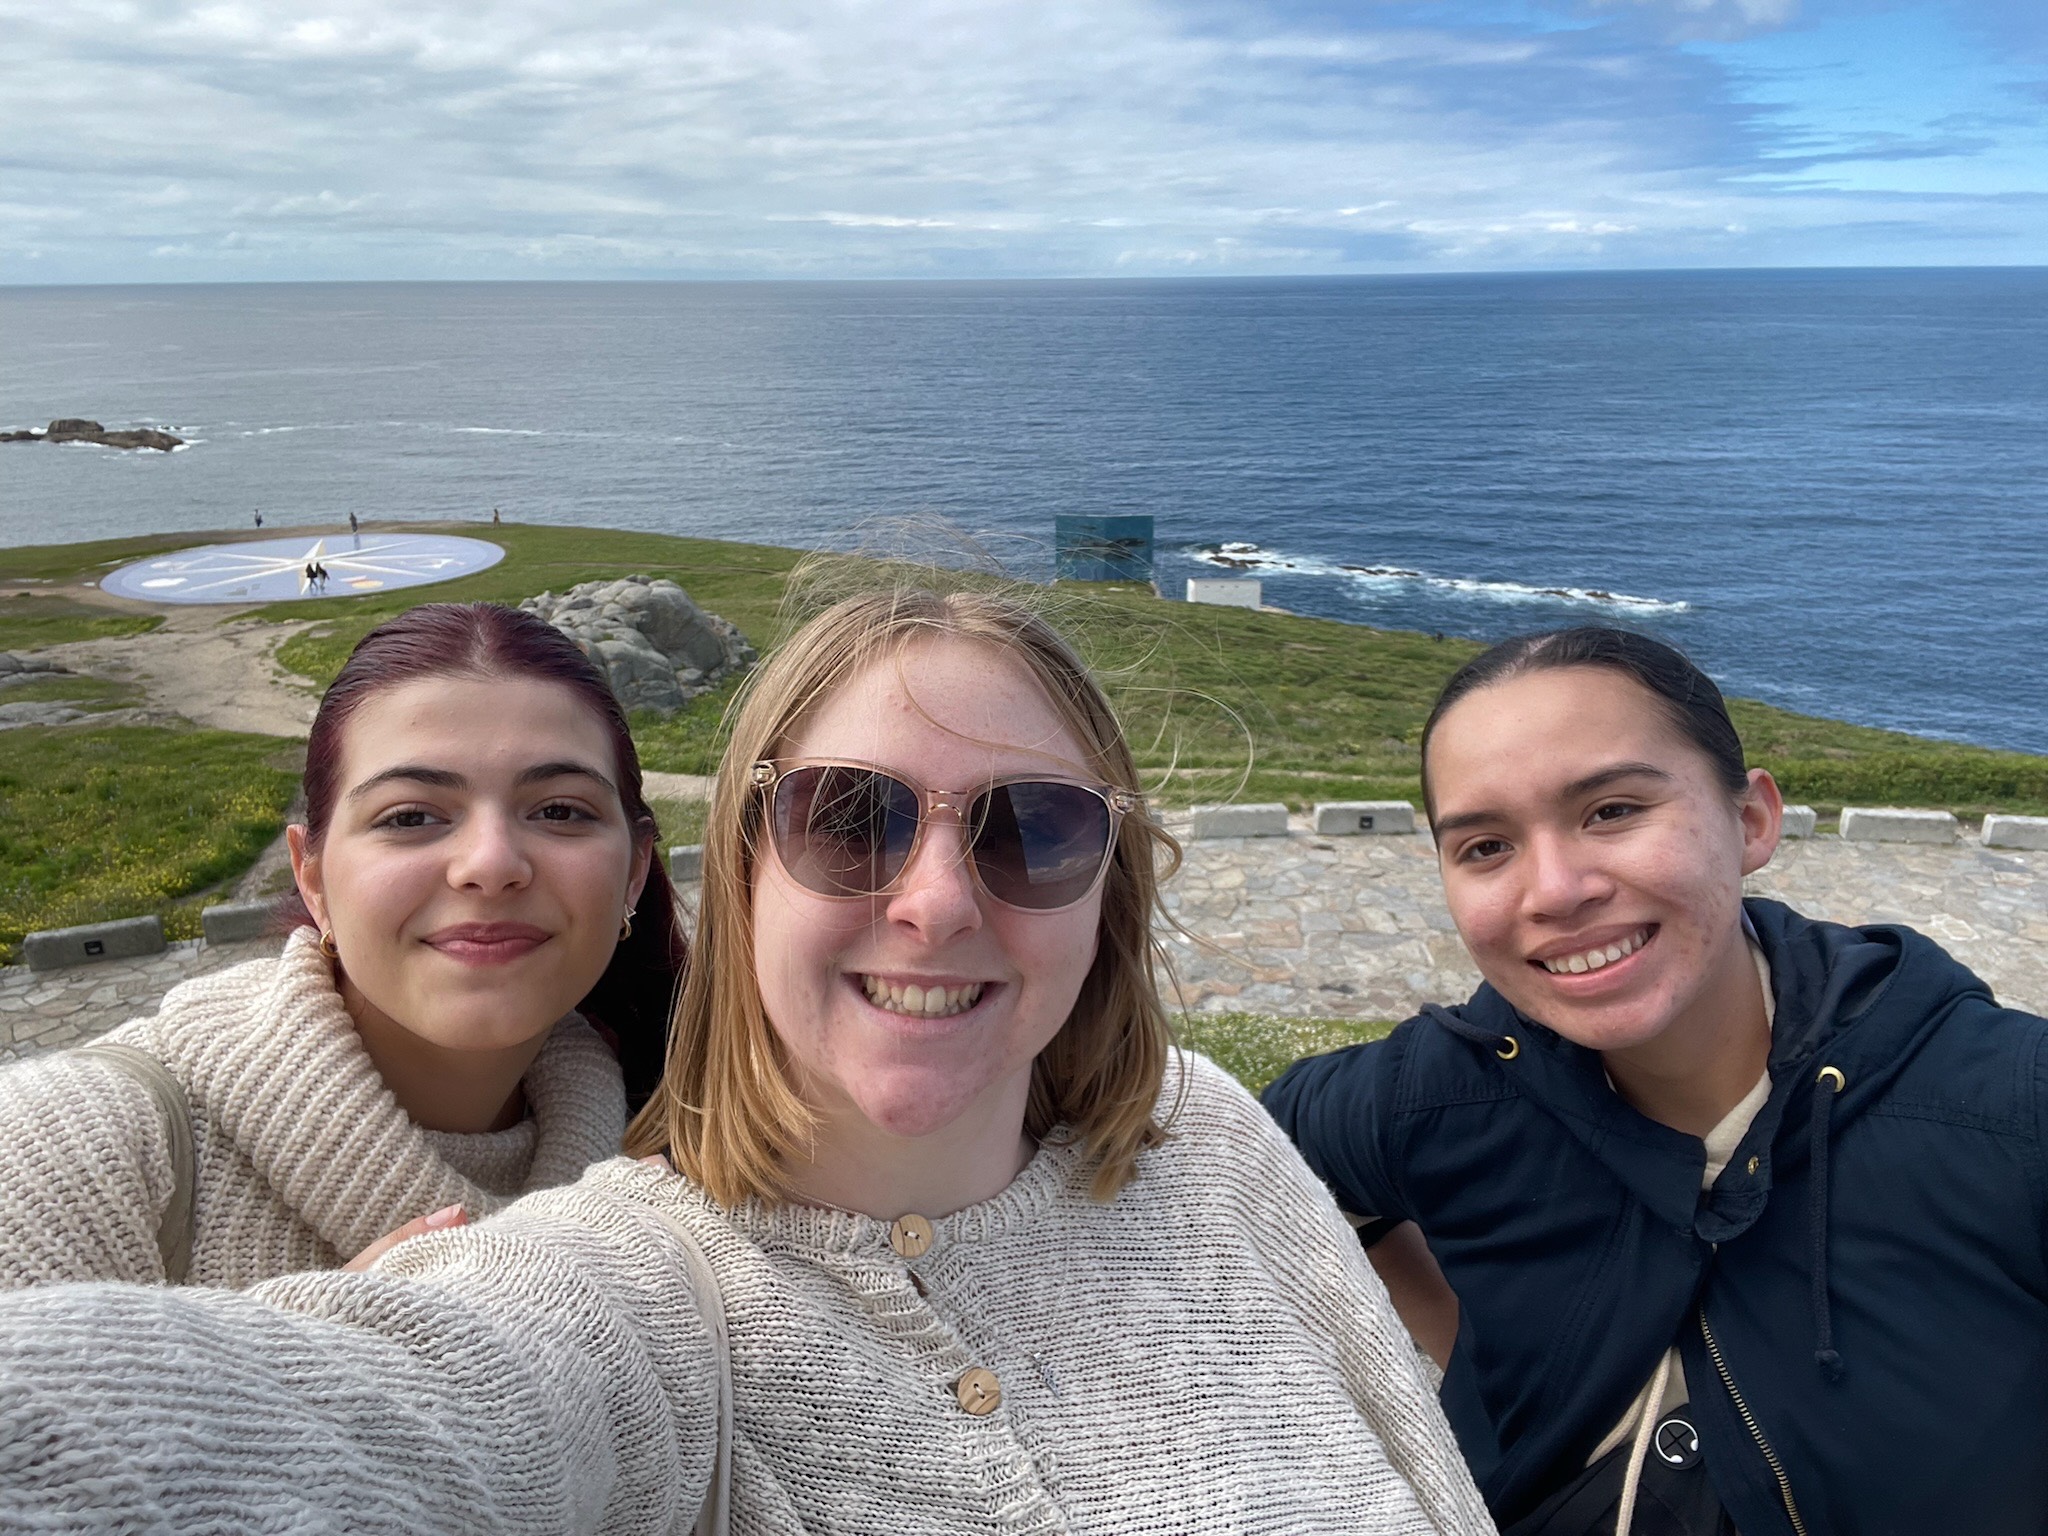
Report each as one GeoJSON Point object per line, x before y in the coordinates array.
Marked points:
{"type": "Point", "coordinates": [626, 926]}
{"type": "Point", "coordinates": [327, 945]}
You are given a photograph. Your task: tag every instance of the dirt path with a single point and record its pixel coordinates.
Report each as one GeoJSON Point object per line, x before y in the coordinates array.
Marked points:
{"type": "Point", "coordinates": [215, 673]}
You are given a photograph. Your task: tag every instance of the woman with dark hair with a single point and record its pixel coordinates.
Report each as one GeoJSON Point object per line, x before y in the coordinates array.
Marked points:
{"type": "Point", "coordinates": [1720, 1217]}
{"type": "Point", "coordinates": [482, 957]}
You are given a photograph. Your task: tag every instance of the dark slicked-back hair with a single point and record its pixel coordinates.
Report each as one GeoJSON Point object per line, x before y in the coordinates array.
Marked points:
{"type": "Point", "coordinates": [1688, 697]}
{"type": "Point", "coordinates": [635, 996]}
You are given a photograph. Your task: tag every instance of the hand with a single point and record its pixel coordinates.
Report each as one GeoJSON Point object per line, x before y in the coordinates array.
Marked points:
{"type": "Point", "coordinates": [438, 1221]}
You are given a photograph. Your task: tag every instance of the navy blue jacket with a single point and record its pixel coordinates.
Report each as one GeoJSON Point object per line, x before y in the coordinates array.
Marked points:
{"type": "Point", "coordinates": [1870, 1270]}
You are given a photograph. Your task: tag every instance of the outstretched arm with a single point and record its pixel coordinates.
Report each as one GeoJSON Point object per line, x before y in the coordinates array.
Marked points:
{"type": "Point", "coordinates": [85, 1173]}
{"type": "Point", "coordinates": [545, 1371]}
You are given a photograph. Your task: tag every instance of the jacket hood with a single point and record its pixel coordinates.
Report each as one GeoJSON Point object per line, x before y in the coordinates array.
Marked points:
{"type": "Point", "coordinates": [1861, 1001]}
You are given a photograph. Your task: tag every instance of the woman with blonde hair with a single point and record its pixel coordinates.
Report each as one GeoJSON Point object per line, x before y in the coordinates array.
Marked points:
{"type": "Point", "coordinates": [946, 1237]}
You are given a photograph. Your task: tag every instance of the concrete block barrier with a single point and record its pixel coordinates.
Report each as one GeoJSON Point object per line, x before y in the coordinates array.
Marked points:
{"type": "Point", "coordinates": [1800, 821]}
{"type": "Point", "coordinates": [1224, 591]}
{"type": "Point", "coordinates": [238, 922]}
{"type": "Point", "coordinates": [1861, 824]}
{"type": "Point", "coordinates": [1342, 818]}
{"type": "Point", "coordinates": [1269, 820]}
{"type": "Point", "coordinates": [121, 940]}
{"type": "Point", "coordinates": [2016, 832]}
{"type": "Point", "coordinates": [686, 862]}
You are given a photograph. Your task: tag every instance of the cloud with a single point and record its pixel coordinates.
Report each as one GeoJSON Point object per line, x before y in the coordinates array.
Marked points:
{"type": "Point", "coordinates": [854, 137]}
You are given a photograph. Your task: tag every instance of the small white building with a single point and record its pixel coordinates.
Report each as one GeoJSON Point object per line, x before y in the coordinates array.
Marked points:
{"type": "Point", "coordinates": [1224, 591]}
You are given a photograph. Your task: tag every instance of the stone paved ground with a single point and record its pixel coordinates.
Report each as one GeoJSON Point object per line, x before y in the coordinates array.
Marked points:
{"type": "Point", "coordinates": [1356, 926]}
{"type": "Point", "coordinates": [40, 1010]}
{"type": "Point", "coordinates": [1349, 927]}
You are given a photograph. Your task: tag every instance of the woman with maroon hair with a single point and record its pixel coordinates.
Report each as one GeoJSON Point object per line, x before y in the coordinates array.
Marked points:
{"type": "Point", "coordinates": [477, 984]}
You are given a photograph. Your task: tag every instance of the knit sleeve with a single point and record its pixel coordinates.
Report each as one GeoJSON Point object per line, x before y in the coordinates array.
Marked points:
{"type": "Point", "coordinates": [543, 1371]}
{"type": "Point", "coordinates": [85, 1173]}
{"type": "Point", "coordinates": [1305, 1242]}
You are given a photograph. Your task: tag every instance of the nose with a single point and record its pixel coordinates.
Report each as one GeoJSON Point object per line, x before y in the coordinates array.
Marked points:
{"type": "Point", "coordinates": [936, 895]}
{"type": "Point", "coordinates": [1560, 876]}
{"type": "Point", "coordinates": [488, 854]}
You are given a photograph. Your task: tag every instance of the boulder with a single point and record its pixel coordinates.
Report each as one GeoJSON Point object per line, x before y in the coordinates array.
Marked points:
{"type": "Point", "coordinates": [74, 426]}
{"type": "Point", "coordinates": [658, 648]}
{"type": "Point", "coordinates": [12, 664]}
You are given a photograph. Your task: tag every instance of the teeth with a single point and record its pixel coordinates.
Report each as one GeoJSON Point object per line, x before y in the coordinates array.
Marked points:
{"type": "Point", "coordinates": [1594, 959]}
{"type": "Point", "coordinates": [921, 1002]}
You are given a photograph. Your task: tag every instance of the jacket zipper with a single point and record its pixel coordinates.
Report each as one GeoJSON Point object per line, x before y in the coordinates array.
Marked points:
{"type": "Point", "coordinates": [1755, 1430]}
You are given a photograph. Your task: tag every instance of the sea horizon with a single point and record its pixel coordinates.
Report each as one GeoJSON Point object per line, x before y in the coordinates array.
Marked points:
{"type": "Point", "coordinates": [1823, 482]}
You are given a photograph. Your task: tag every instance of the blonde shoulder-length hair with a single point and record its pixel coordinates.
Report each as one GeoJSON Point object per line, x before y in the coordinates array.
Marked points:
{"type": "Point", "coordinates": [726, 1113]}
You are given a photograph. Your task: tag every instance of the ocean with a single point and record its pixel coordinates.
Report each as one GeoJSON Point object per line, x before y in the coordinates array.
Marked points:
{"type": "Point", "coordinates": [1830, 487]}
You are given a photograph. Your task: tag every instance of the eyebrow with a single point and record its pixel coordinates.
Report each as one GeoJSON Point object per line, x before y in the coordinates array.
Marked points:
{"type": "Point", "coordinates": [1577, 789]}
{"type": "Point", "coordinates": [443, 778]}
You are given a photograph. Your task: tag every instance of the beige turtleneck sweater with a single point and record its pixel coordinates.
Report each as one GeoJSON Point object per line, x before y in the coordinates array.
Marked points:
{"type": "Point", "coordinates": [1207, 1353]}
{"type": "Point", "coordinates": [302, 1156]}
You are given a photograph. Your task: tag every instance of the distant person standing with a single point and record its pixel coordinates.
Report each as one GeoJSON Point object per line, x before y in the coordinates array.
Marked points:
{"type": "Point", "coordinates": [259, 517]}
{"type": "Point", "coordinates": [495, 519]}
{"type": "Point", "coordinates": [353, 525]}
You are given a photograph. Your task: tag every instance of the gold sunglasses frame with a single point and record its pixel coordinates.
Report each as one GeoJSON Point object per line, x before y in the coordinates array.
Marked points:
{"type": "Point", "coordinates": [765, 775]}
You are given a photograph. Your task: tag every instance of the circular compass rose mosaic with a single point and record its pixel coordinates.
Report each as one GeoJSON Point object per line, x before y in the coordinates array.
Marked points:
{"type": "Point", "coordinates": [280, 570]}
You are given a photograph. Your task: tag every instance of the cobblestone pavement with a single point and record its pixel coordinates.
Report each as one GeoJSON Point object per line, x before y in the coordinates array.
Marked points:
{"type": "Point", "coordinates": [40, 1010]}
{"type": "Point", "coordinates": [1356, 926]}
{"type": "Point", "coordinates": [1349, 927]}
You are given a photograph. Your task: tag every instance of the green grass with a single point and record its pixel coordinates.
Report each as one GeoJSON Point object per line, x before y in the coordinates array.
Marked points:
{"type": "Point", "coordinates": [1221, 703]}
{"type": "Point", "coordinates": [123, 820]}
{"type": "Point", "coordinates": [89, 693]}
{"type": "Point", "coordinates": [681, 822]}
{"type": "Point", "coordinates": [1255, 1048]}
{"type": "Point", "coordinates": [28, 622]}
{"type": "Point", "coordinates": [743, 582]}
{"type": "Point", "coordinates": [88, 562]}
{"type": "Point", "coordinates": [688, 741]}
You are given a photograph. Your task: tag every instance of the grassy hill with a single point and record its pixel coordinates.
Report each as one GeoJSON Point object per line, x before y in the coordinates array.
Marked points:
{"type": "Point", "coordinates": [1221, 704]}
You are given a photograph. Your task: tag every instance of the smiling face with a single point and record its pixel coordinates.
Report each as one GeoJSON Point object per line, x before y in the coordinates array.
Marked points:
{"type": "Point", "coordinates": [903, 1013]}
{"type": "Point", "coordinates": [1591, 858]}
{"type": "Point", "coordinates": [477, 863]}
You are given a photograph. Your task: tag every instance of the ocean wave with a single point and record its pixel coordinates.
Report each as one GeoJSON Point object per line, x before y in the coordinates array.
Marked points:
{"type": "Point", "coordinates": [1237, 555]}
{"type": "Point", "coordinates": [502, 431]}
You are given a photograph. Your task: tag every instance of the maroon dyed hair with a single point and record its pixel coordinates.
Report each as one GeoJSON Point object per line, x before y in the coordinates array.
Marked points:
{"type": "Point", "coordinates": [635, 997]}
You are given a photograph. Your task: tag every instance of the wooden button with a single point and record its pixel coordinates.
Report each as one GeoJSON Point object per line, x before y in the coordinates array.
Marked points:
{"type": "Point", "coordinates": [979, 1392]}
{"type": "Point", "coordinates": [910, 1236]}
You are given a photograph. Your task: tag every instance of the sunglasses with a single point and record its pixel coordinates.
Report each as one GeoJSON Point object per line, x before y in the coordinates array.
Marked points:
{"type": "Point", "coordinates": [847, 829]}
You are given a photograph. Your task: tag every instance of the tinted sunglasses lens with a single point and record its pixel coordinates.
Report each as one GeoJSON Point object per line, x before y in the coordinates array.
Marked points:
{"type": "Point", "coordinates": [1040, 844]}
{"type": "Point", "coordinates": [843, 831]}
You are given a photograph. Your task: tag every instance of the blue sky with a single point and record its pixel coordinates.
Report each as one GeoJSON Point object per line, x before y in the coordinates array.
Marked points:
{"type": "Point", "coordinates": [147, 141]}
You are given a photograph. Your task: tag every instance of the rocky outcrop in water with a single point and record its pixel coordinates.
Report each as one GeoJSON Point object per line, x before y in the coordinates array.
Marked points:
{"type": "Point", "coordinates": [76, 429]}
{"type": "Point", "coordinates": [659, 649]}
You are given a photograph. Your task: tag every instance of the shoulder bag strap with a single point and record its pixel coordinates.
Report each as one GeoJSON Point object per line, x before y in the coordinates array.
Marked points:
{"type": "Point", "coordinates": [174, 1232]}
{"type": "Point", "coordinates": [715, 1518]}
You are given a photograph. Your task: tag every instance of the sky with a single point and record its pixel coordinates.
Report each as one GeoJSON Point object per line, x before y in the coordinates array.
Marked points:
{"type": "Point", "coordinates": [538, 139]}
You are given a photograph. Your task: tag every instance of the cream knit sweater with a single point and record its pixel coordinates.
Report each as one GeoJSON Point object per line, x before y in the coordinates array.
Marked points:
{"type": "Point", "coordinates": [302, 1156]}
{"type": "Point", "coordinates": [1207, 1353]}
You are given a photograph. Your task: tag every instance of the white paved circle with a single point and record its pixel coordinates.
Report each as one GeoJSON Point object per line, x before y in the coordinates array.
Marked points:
{"type": "Point", "coordinates": [274, 570]}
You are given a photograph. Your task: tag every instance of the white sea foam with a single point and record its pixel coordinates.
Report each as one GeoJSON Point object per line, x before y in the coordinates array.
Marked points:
{"type": "Point", "coordinates": [1240, 556]}
{"type": "Point", "coordinates": [502, 431]}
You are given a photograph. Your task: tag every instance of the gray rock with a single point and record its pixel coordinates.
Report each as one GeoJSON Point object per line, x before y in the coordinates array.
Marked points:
{"type": "Point", "coordinates": [658, 648]}
{"type": "Point", "coordinates": [10, 664]}
{"type": "Point", "coordinates": [38, 712]}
